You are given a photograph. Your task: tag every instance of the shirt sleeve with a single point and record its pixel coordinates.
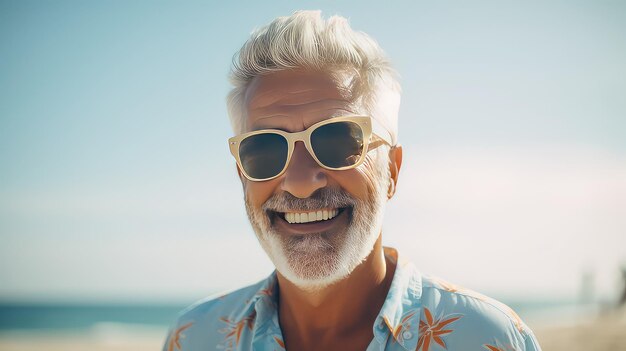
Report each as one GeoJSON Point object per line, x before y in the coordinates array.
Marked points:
{"type": "Point", "coordinates": [531, 343]}
{"type": "Point", "coordinates": [167, 340]}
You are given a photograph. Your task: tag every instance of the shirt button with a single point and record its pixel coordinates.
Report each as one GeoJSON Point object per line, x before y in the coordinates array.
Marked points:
{"type": "Point", "coordinates": [407, 334]}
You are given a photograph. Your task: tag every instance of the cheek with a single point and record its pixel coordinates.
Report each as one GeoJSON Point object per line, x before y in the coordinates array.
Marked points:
{"type": "Point", "coordinates": [258, 192]}
{"type": "Point", "coordinates": [359, 182]}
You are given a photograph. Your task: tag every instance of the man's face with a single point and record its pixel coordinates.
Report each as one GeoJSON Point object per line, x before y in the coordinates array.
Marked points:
{"type": "Point", "coordinates": [318, 253]}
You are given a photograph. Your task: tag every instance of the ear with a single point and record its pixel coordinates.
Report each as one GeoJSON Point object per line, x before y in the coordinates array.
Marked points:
{"type": "Point", "coordinates": [395, 162]}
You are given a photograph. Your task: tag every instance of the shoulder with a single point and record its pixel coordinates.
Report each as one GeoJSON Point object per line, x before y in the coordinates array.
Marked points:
{"type": "Point", "coordinates": [206, 323]}
{"type": "Point", "coordinates": [224, 304]}
{"type": "Point", "coordinates": [471, 318]}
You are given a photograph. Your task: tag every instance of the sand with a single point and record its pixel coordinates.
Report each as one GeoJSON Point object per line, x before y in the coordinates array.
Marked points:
{"type": "Point", "coordinates": [607, 332]}
{"type": "Point", "coordinates": [77, 343]}
{"type": "Point", "coordinates": [64, 342]}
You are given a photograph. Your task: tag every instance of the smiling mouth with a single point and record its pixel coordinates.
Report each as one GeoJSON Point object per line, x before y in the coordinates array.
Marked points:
{"type": "Point", "coordinates": [309, 216]}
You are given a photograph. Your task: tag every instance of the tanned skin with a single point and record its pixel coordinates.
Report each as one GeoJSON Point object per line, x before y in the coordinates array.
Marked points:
{"type": "Point", "coordinates": [340, 316]}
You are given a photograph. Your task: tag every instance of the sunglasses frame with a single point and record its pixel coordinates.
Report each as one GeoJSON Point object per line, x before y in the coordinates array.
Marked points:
{"type": "Point", "coordinates": [366, 123]}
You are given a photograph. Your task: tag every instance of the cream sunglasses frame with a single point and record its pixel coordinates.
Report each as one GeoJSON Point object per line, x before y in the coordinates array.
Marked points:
{"type": "Point", "coordinates": [366, 123]}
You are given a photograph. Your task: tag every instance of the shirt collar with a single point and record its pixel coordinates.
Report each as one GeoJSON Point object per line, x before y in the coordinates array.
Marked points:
{"type": "Point", "coordinates": [398, 318]}
{"type": "Point", "coordinates": [264, 303]}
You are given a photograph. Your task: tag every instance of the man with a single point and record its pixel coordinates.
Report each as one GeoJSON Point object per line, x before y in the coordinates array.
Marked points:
{"type": "Point", "coordinates": [315, 107]}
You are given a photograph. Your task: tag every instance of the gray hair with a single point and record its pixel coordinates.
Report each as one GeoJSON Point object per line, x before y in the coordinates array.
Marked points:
{"type": "Point", "coordinates": [306, 40]}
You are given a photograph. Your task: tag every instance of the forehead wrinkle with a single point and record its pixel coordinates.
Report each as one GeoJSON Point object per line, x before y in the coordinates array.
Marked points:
{"type": "Point", "coordinates": [290, 98]}
{"type": "Point", "coordinates": [296, 117]}
{"type": "Point", "coordinates": [267, 90]}
{"type": "Point", "coordinates": [258, 98]}
{"type": "Point", "coordinates": [309, 107]}
{"type": "Point", "coordinates": [293, 101]}
{"type": "Point", "coordinates": [262, 123]}
{"type": "Point", "coordinates": [293, 124]}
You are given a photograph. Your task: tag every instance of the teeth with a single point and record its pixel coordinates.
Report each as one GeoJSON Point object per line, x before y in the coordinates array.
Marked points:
{"type": "Point", "coordinates": [306, 217]}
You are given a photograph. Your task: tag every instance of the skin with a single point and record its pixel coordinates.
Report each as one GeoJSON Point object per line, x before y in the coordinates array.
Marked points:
{"type": "Point", "coordinates": [340, 316]}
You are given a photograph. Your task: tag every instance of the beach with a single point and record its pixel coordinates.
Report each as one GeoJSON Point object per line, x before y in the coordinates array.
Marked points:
{"type": "Point", "coordinates": [603, 333]}
{"type": "Point", "coordinates": [87, 342]}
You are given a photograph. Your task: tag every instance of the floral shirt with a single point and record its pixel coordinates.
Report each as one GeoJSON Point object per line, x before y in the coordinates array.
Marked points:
{"type": "Point", "coordinates": [420, 313]}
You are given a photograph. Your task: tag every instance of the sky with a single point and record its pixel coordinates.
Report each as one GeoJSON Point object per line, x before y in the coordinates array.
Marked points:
{"type": "Point", "coordinates": [116, 183]}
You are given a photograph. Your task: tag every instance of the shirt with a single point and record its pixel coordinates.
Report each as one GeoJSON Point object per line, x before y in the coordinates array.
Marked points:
{"type": "Point", "coordinates": [420, 312]}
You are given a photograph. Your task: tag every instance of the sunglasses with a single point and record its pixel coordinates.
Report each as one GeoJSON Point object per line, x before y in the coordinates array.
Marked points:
{"type": "Point", "coordinates": [338, 143]}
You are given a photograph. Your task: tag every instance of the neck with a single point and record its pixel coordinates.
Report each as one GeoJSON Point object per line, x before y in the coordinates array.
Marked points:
{"type": "Point", "coordinates": [340, 309]}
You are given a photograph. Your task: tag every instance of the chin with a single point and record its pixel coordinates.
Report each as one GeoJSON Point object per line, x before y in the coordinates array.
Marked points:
{"type": "Point", "coordinates": [317, 260]}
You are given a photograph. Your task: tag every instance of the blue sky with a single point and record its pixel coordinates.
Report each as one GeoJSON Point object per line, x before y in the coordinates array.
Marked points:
{"type": "Point", "coordinates": [115, 172]}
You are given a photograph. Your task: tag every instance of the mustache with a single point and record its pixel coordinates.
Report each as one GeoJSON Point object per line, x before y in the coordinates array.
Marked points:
{"type": "Point", "coordinates": [321, 198]}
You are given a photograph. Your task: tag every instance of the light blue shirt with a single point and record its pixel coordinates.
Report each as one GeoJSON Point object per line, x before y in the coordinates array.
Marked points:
{"type": "Point", "coordinates": [420, 313]}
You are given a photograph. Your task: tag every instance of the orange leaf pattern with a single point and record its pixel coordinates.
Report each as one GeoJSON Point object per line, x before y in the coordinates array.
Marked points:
{"type": "Point", "coordinates": [453, 288]}
{"type": "Point", "coordinates": [420, 313]}
{"type": "Point", "coordinates": [404, 325]}
{"type": "Point", "coordinates": [174, 343]}
{"type": "Point", "coordinates": [279, 342]}
{"type": "Point", "coordinates": [432, 329]}
{"type": "Point", "coordinates": [457, 289]}
{"type": "Point", "coordinates": [498, 347]}
{"type": "Point", "coordinates": [234, 330]}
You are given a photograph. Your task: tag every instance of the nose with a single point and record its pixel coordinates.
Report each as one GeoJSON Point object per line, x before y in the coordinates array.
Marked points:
{"type": "Point", "coordinates": [303, 175]}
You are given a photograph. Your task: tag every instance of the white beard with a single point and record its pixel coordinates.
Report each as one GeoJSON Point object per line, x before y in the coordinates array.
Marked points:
{"type": "Point", "coordinates": [317, 260]}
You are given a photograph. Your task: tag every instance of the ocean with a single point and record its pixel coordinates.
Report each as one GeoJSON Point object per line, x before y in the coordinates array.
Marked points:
{"type": "Point", "coordinates": [85, 318]}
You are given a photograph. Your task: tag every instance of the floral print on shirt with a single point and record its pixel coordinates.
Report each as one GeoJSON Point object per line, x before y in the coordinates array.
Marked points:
{"type": "Point", "coordinates": [420, 313]}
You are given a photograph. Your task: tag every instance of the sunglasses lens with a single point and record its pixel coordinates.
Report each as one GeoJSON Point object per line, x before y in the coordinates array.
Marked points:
{"type": "Point", "coordinates": [338, 144]}
{"type": "Point", "coordinates": [263, 155]}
